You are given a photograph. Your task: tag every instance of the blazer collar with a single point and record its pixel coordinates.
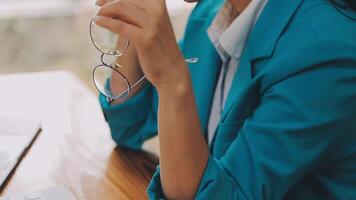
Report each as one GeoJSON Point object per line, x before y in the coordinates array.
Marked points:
{"type": "Point", "coordinates": [261, 43]}
{"type": "Point", "coordinates": [269, 27]}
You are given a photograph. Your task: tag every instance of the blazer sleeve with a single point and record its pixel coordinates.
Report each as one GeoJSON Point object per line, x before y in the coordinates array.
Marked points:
{"type": "Point", "coordinates": [299, 123]}
{"type": "Point", "coordinates": [133, 121]}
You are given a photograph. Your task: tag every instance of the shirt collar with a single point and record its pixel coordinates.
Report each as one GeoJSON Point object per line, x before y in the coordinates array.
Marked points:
{"type": "Point", "coordinates": [230, 39]}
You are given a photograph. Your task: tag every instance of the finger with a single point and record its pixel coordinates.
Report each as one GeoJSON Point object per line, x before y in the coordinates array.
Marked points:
{"type": "Point", "coordinates": [125, 11]}
{"type": "Point", "coordinates": [118, 26]}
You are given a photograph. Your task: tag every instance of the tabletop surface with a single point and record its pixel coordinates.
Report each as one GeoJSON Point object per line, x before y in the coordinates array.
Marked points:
{"type": "Point", "coordinates": [74, 149]}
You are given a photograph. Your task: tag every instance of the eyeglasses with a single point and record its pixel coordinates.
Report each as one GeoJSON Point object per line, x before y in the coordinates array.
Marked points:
{"type": "Point", "coordinates": [112, 45]}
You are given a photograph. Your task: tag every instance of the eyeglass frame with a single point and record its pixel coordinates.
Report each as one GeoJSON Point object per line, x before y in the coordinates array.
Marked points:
{"type": "Point", "coordinates": [116, 65]}
{"type": "Point", "coordinates": [111, 66]}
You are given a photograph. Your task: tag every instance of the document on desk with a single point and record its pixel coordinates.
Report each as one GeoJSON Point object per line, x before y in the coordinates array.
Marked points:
{"type": "Point", "coordinates": [16, 136]}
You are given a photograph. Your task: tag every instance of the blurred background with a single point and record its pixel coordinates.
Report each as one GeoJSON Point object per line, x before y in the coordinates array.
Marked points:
{"type": "Point", "coordinates": [41, 35]}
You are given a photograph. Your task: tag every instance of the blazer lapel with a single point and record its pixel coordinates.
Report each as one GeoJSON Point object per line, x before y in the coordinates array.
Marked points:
{"type": "Point", "coordinates": [205, 72]}
{"type": "Point", "coordinates": [260, 44]}
{"type": "Point", "coordinates": [205, 77]}
{"type": "Point", "coordinates": [242, 79]}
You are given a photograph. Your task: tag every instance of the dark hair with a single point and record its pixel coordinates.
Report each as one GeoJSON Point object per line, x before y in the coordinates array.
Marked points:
{"type": "Point", "coordinates": [348, 4]}
{"type": "Point", "coordinates": [345, 5]}
{"type": "Point", "coordinates": [352, 4]}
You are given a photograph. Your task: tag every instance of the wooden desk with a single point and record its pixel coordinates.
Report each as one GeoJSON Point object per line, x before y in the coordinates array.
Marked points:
{"type": "Point", "coordinates": [74, 149]}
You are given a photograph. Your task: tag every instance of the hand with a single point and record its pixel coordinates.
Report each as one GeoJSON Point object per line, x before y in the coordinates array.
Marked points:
{"type": "Point", "coordinates": [146, 24]}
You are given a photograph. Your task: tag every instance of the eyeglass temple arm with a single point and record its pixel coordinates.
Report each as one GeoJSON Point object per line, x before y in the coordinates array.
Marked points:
{"type": "Point", "coordinates": [188, 61]}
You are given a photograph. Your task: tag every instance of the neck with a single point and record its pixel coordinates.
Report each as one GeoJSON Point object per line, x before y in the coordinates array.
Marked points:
{"type": "Point", "coordinates": [240, 5]}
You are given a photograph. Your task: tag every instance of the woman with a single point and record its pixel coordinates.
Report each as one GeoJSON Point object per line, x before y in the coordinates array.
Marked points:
{"type": "Point", "coordinates": [269, 110]}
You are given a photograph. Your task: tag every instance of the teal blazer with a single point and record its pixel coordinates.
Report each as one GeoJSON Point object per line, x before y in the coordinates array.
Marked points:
{"type": "Point", "coordinates": [288, 130]}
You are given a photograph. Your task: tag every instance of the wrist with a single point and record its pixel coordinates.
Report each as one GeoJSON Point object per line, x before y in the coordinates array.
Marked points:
{"type": "Point", "coordinates": [177, 86]}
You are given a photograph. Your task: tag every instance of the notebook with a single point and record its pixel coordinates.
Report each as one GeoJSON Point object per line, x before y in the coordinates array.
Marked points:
{"type": "Point", "coordinates": [16, 136]}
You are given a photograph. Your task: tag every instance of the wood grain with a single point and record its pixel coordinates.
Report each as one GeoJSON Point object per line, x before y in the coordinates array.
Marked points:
{"type": "Point", "coordinates": [74, 149]}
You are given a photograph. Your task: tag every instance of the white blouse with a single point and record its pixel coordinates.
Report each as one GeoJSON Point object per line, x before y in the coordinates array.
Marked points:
{"type": "Point", "coordinates": [229, 40]}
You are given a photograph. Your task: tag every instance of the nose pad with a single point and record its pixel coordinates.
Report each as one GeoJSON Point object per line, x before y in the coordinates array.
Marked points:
{"type": "Point", "coordinates": [109, 60]}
